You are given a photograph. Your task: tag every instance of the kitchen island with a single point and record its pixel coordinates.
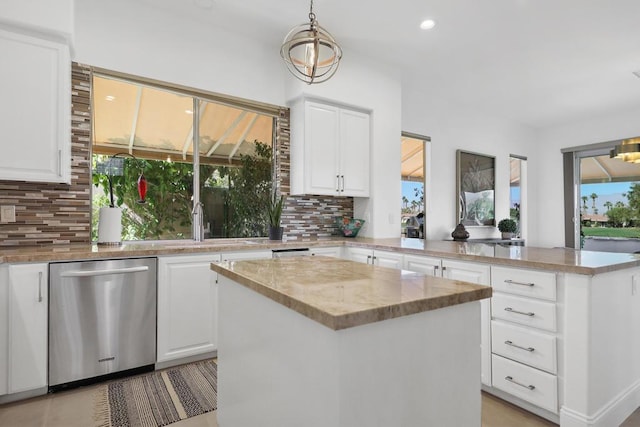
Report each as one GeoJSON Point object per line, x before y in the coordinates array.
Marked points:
{"type": "Point", "coordinates": [318, 341]}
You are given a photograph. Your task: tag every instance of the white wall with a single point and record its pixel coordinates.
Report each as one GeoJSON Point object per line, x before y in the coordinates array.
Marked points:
{"type": "Point", "coordinates": [549, 213]}
{"type": "Point", "coordinates": [361, 83]}
{"type": "Point", "coordinates": [135, 38]}
{"type": "Point", "coordinates": [451, 128]}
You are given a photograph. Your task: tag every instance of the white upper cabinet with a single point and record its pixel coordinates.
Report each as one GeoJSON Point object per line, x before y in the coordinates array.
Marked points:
{"type": "Point", "coordinates": [35, 80]}
{"type": "Point", "coordinates": [330, 150]}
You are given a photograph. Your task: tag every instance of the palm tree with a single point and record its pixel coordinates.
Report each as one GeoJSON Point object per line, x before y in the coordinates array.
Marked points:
{"type": "Point", "coordinates": [584, 203]}
{"type": "Point", "coordinates": [405, 202]}
{"type": "Point", "coordinates": [594, 196]}
{"type": "Point", "coordinates": [608, 205]}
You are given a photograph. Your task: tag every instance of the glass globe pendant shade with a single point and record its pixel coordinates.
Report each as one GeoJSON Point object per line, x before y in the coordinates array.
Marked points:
{"type": "Point", "coordinates": [310, 52]}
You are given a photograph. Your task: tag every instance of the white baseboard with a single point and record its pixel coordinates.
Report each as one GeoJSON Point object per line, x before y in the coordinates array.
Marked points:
{"type": "Point", "coordinates": [613, 413]}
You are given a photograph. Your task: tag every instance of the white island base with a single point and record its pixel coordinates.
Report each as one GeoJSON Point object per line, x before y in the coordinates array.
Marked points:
{"type": "Point", "coordinates": [278, 368]}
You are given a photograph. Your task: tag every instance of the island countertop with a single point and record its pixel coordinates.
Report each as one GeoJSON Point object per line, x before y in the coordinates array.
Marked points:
{"type": "Point", "coordinates": [342, 294]}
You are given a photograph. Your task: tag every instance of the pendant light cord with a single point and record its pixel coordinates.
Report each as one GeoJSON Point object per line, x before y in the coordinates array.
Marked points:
{"type": "Point", "coordinates": [312, 16]}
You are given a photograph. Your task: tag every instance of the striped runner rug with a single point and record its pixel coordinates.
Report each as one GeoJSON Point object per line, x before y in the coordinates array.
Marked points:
{"type": "Point", "coordinates": [158, 398]}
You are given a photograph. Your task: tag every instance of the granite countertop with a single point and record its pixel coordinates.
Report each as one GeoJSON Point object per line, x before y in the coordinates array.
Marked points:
{"type": "Point", "coordinates": [73, 252]}
{"type": "Point", "coordinates": [342, 294]}
{"type": "Point", "coordinates": [551, 259]}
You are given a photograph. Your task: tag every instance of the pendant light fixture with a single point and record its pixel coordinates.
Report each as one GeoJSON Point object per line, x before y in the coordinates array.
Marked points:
{"type": "Point", "coordinates": [310, 52]}
{"type": "Point", "coordinates": [628, 150]}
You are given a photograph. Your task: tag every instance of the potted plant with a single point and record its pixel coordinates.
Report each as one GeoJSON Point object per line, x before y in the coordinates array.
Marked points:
{"type": "Point", "coordinates": [274, 210]}
{"type": "Point", "coordinates": [507, 227]}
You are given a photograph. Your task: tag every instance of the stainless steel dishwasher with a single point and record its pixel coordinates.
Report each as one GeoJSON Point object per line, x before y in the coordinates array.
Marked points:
{"type": "Point", "coordinates": [102, 319]}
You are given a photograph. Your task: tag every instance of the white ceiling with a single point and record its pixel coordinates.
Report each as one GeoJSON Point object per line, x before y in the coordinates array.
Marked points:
{"type": "Point", "coordinates": [538, 62]}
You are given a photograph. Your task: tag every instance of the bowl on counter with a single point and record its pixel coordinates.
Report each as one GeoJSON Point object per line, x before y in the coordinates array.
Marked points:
{"type": "Point", "coordinates": [349, 227]}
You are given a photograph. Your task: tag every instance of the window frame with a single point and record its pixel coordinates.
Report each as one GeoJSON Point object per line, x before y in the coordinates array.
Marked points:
{"type": "Point", "coordinates": [198, 96]}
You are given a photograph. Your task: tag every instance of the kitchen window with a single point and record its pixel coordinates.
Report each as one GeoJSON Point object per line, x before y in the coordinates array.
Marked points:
{"type": "Point", "coordinates": [414, 149]}
{"type": "Point", "coordinates": [518, 193]}
{"type": "Point", "coordinates": [181, 140]}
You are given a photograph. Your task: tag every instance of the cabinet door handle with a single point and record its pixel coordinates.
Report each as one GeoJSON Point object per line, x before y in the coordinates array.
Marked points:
{"type": "Point", "coordinates": [444, 268]}
{"type": "Point", "coordinates": [513, 282]}
{"type": "Point", "coordinates": [373, 260]}
{"type": "Point", "coordinates": [511, 310]}
{"type": "Point", "coordinates": [369, 258]}
{"type": "Point", "coordinates": [510, 379]}
{"type": "Point", "coordinates": [338, 183]}
{"type": "Point", "coordinates": [40, 286]}
{"type": "Point", "coordinates": [435, 270]}
{"type": "Point", "coordinates": [342, 176]}
{"type": "Point", "coordinates": [529, 349]}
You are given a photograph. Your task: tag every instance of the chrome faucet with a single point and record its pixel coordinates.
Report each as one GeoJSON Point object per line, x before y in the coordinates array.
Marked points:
{"type": "Point", "coordinates": [197, 222]}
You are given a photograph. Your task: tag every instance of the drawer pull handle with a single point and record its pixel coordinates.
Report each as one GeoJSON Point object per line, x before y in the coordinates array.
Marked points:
{"type": "Point", "coordinates": [510, 379]}
{"type": "Point", "coordinates": [513, 282]}
{"type": "Point", "coordinates": [511, 310]}
{"type": "Point", "coordinates": [529, 349]}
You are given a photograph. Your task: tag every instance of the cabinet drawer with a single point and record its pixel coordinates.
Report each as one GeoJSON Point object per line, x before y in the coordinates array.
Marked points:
{"type": "Point", "coordinates": [526, 311]}
{"type": "Point", "coordinates": [531, 283]}
{"type": "Point", "coordinates": [532, 385]}
{"type": "Point", "coordinates": [524, 345]}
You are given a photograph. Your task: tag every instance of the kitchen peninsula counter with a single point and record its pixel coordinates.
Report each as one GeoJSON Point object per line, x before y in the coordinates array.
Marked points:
{"type": "Point", "coordinates": [550, 259]}
{"type": "Point", "coordinates": [319, 341]}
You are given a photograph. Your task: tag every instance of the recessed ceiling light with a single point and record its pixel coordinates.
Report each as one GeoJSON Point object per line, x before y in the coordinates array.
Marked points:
{"type": "Point", "coordinates": [109, 97]}
{"type": "Point", "coordinates": [427, 24]}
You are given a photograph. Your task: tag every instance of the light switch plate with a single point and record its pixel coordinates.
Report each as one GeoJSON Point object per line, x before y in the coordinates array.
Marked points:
{"type": "Point", "coordinates": [7, 214]}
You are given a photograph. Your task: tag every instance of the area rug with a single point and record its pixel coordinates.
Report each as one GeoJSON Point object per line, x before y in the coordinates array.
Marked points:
{"type": "Point", "coordinates": [158, 398]}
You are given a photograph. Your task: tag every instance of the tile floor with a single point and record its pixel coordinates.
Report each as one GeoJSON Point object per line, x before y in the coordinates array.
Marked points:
{"type": "Point", "coordinates": [74, 408]}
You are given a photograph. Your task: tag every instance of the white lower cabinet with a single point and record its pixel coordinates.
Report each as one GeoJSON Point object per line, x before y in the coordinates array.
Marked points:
{"type": "Point", "coordinates": [334, 251]}
{"type": "Point", "coordinates": [524, 335]}
{"type": "Point", "coordinates": [533, 348]}
{"type": "Point", "coordinates": [529, 384]}
{"type": "Point", "coordinates": [467, 272]}
{"type": "Point", "coordinates": [27, 313]}
{"type": "Point", "coordinates": [187, 306]}
{"type": "Point", "coordinates": [375, 257]}
{"type": "Point", "coordinates": [245, 255]}
{"type": "Point", "coordinates": [480, 274]}
{"type": "Point", "coordinates": [363, 255]}
{"type": "Point", "coordinates": [423, 264]}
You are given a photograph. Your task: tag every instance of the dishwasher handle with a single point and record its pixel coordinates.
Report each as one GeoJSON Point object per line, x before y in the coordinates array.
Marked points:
{"type": "Point", "coordinates": [91, 273]}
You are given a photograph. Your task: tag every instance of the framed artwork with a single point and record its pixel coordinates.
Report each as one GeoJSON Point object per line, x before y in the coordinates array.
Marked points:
{"type": "Point", "coordinates": [475, 182]}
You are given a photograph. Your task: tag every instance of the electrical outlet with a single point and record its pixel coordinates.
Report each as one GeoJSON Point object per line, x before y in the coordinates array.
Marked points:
{"type": "Point", "coordinates": [7, 214]}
